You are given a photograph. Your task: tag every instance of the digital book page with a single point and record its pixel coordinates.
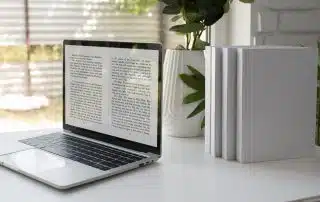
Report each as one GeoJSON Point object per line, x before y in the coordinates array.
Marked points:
{"type": "Point", "coordinates": [113, 91]}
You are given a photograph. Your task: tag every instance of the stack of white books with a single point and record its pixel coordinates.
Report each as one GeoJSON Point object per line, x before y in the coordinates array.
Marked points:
{"type": "Point", "coordinates": [260, 102]}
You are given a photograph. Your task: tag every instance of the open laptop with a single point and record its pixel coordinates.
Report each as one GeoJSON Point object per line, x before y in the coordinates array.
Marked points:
{"type": "Point", "coordinates": [111, 116]}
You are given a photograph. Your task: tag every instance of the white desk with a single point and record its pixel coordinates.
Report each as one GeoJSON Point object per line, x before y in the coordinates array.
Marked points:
{"type": "Point", "coordinates": [184, 174]}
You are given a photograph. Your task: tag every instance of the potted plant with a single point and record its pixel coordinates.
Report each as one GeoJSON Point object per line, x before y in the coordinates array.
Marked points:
{"type": "Point", "coordinates": [183, 70]}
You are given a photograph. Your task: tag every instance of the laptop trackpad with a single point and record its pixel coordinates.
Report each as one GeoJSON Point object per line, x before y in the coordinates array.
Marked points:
{"type": "Point", "coordinates": [33, 161]}
{"type": "Point", "coordinates": [49, 168]}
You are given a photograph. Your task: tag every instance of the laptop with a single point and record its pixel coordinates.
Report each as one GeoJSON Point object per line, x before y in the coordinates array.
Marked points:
{"type": "Point", "coordinates": [111, 116]}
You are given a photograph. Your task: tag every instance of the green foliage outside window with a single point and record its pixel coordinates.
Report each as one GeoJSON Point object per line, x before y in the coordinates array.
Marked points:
{"type": "Point", "coordinates": [38, 53]}
{"type": "Point", "coordinates": [134, 6]}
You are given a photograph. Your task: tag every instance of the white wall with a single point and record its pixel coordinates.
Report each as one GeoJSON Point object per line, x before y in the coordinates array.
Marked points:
{"type": "Point", "coordinates": [274, 22]}
{"type": "Point", "coordinates": [239, 30]}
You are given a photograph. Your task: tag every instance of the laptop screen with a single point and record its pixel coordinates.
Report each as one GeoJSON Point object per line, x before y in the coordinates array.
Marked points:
{"type": "Point", "coordinates": [113, 91]}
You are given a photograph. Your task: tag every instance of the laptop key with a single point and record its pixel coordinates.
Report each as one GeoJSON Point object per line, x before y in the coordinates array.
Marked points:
{"type": "Point", "coordinates": [75, 158]}
{"type": "Point", "coordinates": [107, 158]}
{"type": "Point", "coordinates": [127, 160]}
{"type": "Point", "coordinates": [110, 155]}
{"type": "Point", "coordinates": [86, 162]}
{"type": "Point", "coordinates": [102, 167]}
{"type": "Point", "coordinates": [126, 155]}
{"type": "Point", "coordinates": [118, 163]}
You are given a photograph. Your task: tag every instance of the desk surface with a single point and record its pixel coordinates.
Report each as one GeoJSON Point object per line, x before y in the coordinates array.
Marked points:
{"type": "Point", "coordinates": [184, 173]}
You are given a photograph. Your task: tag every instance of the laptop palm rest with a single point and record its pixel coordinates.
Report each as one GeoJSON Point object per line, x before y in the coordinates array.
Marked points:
{"type": "Point", "coordinates": [46, 167]}
{"type": "Point", "coordinates": [10, 146]}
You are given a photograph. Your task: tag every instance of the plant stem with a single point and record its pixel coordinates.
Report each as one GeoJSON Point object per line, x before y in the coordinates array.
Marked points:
{"type": "Point", "coordinates": [188, 40]}
{"type": "Point", "coordinates": [195, 35]}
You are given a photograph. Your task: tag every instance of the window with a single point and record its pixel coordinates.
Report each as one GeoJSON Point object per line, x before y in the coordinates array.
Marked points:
{"type": "Point", "coordinates": [31, 32]}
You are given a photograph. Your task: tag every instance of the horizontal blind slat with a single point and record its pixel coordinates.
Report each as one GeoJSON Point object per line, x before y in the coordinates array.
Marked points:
{"type": "Point", "coordinates": [12, 30]}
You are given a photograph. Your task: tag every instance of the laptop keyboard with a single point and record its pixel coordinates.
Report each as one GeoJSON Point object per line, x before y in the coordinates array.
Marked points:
{"type": "Point", "coordinates": [86, 152]}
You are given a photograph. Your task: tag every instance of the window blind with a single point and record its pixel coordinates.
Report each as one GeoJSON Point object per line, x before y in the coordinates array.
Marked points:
{"type": "Point", "coordinates": [38, 69]}
{"type": "Point", "coordinates": [12, 49]}
{"type": "Point", "coordinates": [12, 24]}
{"type": "Point", "coordinates": [51, 21]}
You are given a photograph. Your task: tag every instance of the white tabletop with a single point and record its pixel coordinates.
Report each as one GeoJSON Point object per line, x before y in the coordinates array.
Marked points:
{"type": "Point", "coordinates": [184, 174]}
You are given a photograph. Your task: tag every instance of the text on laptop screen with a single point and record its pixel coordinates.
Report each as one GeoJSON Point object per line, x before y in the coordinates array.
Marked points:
{"type": "Point", "coordinates": [113, 91]}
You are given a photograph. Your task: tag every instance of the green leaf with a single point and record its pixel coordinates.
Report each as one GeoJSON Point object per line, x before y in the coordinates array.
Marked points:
{"type": "Point", "coordinates": [170, 2]}
{"type": "Point", "coordinates": [203, 123]}
{"type": "Point", "coordinates": [247, 1]}
{"type": "Point", "coordinates": [176, 18]}
{"type": "Point", "coordinates": [203, 4]}
{"type": "Point", "coordinates": [180, 47]}
{"type": "Point", "coordinates": [193, 17]}
{"type": "Point", "coordinates": [196, 73]}
{"type": "Point", "coordinates": [197, 110]}
{"type": "Point", "coordinates": [200, 45]}
{"type": "Point", "coordinates": [187, 28]}
{"type": "Point", "coordinates": [192, 82]}
{"type": "Point", "coordinates": [194, 97]}
{"type": "Point", "coordinates": [213, 15]}
{"type": "Point", "coordinates": [171, 10]}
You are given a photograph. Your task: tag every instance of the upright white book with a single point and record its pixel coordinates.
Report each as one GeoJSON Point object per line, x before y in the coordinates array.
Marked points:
{"type": "Point", "coordinates": [276, 103]}
{"type": "Point", "coordinates": [207, 128]}
{"type": "Point", "coordinates": [216, 102]}
{"type": "Point", "coordinates": [229, 102]}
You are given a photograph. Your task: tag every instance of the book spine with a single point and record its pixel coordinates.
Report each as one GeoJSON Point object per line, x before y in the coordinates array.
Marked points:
{"type": "Point", "coordinates": [229, 77]}
{"type": "Point", "coordinates": [239, 104]}
{"type": "Point", "coordinates": [207, 129]}
{"type": "Point", "coordinates": [243, 133]}
{"type": "Point", "coordinates": [216, 102]}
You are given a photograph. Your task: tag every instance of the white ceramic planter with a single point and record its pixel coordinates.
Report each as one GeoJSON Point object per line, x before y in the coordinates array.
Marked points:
{"type": "Point", "coordinates": [318, 151]}
{"type": "Point", "coordinates": [174, 114]}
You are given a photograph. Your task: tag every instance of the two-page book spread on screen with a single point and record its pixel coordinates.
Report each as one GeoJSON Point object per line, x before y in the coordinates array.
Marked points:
{"type": "Point", "coordinates": [268, 102]}
{"type": "Point", "coordinates": [113, 91]}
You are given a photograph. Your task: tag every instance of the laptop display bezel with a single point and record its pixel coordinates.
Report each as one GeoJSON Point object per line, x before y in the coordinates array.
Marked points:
{"type": "Point", "coordinates": [105, 137]}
